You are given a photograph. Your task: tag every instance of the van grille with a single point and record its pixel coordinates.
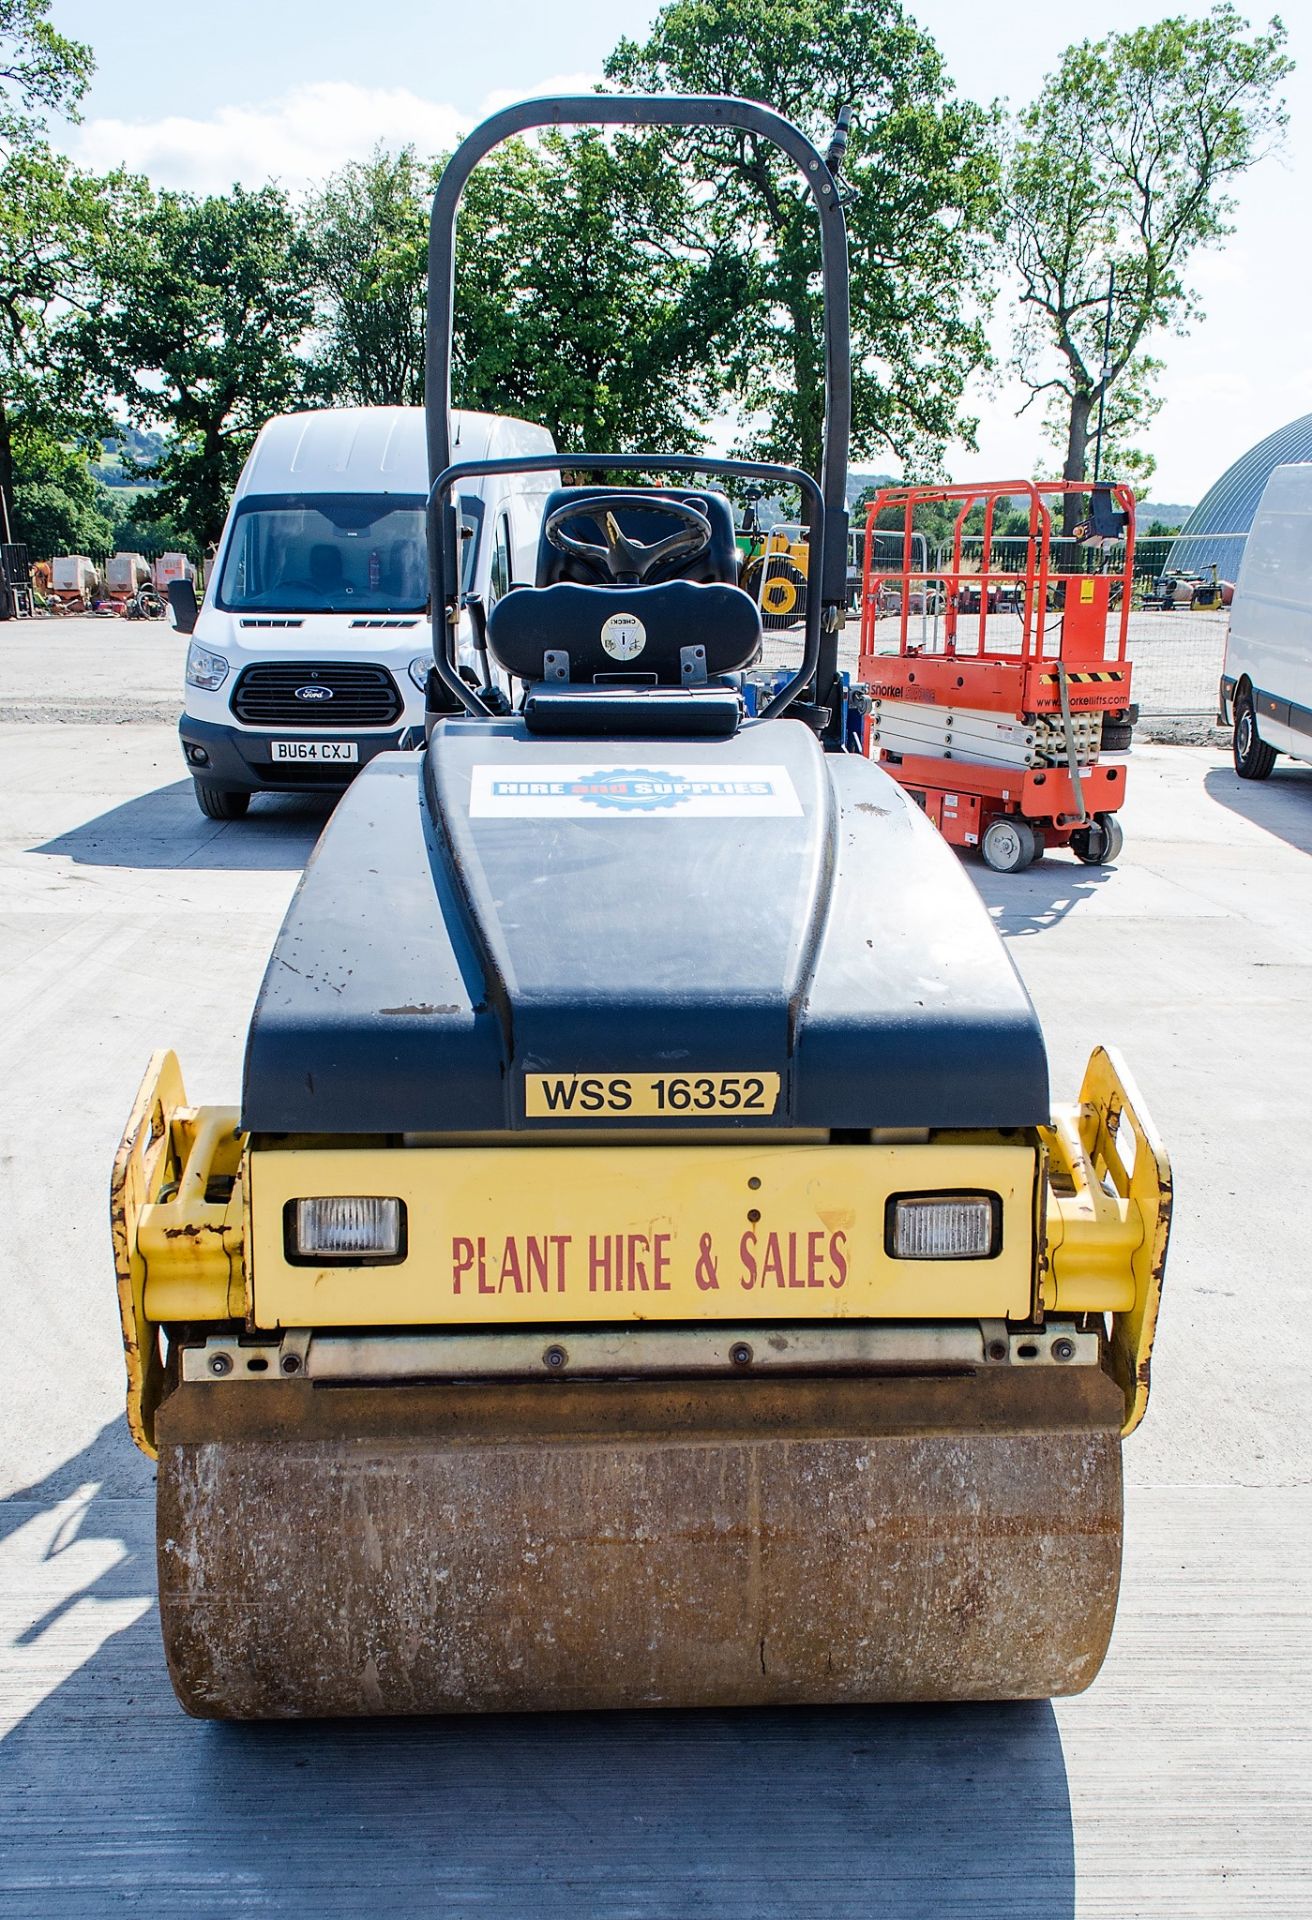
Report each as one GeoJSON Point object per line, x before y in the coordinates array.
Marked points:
{"type": "Point", "coordinates": [268, 695]}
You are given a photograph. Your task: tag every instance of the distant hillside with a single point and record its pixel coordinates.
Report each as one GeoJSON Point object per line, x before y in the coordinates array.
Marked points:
{"type": "Point", "coordinates": [858, 482]}
{"type": "Point", "coordinates": [1168, 513]}
{"type": "Point", "coordinates": [130, 442]}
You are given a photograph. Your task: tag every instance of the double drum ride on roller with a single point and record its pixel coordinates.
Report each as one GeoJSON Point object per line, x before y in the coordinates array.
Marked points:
{"type": "Point", "coordinates": [645, 1267]}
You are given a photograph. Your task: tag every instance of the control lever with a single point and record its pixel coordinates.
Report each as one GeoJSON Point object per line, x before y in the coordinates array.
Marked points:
{"type": "Point", "coordinates": [478, 615]}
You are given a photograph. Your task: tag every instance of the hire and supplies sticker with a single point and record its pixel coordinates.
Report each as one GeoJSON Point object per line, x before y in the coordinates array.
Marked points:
{"type": "Point", "coordinates": [582, 790]}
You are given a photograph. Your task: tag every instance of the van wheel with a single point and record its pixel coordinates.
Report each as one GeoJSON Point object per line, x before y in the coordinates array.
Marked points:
{"type": "Point", "coordinates": [1254, 759]}
{"type": "Point", "coordinates": [1100, 842]}
{"type": "Point", "coordinates": [1010, 845]}
{"type": "Point", "coordinates": [221, 803]}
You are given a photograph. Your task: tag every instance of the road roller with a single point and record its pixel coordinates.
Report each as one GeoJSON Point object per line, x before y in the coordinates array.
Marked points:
{"type": "Point", "coordinates": [646, 1267]}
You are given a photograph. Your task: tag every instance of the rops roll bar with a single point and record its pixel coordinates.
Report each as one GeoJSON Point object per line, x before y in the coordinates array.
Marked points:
{"type": "Point", "coordinates": [828, 500]}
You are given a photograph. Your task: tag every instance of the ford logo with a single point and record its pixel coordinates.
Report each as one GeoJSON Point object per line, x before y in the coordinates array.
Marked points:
{"type": "Point", "coordinates": [314, 693]}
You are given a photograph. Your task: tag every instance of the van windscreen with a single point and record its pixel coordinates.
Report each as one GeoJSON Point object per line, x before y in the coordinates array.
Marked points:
{"type": "Point", "coordinates": [333, 553]}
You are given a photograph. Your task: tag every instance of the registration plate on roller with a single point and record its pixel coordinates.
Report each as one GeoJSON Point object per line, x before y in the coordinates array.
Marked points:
{"type": "Point", "coordinates": [647, 1096]}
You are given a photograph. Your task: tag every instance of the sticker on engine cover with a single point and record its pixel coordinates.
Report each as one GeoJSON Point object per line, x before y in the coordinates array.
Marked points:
{"type": "Point", "coordinates": [623, 636]}
{"type": "Point", "coordinates": [644, 1096]}
{"type": "Point", "coordinates": [583, 790]}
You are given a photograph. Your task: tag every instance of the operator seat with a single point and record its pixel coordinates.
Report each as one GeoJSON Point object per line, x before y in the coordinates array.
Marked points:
{"type": "Point", "coordinates": [579, 633]}
{"type": "Point", "coordinates": [326, 574]}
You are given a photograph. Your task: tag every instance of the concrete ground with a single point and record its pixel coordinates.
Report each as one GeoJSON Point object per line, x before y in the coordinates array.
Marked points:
{"type": "Point", "coordinates": [1180, 1785]}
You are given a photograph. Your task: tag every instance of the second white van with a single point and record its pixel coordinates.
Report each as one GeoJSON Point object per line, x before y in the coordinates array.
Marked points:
{"type": "Point", "coordinates": [1266, 677]}
{"type": "Point", "coordinates": [311, 649]}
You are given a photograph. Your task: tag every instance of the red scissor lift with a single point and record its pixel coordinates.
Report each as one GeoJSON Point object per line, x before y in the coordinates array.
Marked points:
{"type": "Point", "coordinates": [1009, 687]}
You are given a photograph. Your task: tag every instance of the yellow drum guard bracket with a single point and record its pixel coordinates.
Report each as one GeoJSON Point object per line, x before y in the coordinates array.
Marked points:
{"type": "Point", "coordinates": [1109, 1220]}
{"type": "Point", "coordinates": [176, 1220]}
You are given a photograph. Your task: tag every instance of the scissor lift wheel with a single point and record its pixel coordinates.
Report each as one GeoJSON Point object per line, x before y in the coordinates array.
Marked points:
{"type": "Point", "coordinates": [1100, 842]}
{"type": "Point", "coordinates": [1010, 844]}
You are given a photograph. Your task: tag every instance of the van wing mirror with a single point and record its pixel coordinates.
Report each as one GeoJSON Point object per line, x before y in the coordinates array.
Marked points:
{"type": "Point", "coordinates": [182, 599]}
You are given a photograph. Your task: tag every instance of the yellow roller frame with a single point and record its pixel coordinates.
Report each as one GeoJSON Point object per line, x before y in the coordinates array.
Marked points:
{"type": "Point", "coordinates": [189, 1249]}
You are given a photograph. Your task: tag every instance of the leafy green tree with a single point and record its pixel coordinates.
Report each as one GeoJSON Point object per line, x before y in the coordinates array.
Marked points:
{"type": "Point", "coordinates": [367, 235]}
{"type": "Point", "coordinates": [1124, 165]}
{"type": "Point", "coordinates": [41, 70]}
{"type": "Point", "coordinates": [56, 501]}
{"type": "Point", "coordinates": [52, 224]}
{"type": "Point", "coordinates": [923, 185]}
{"type": "Point", "coordinates": [579, 283]}
{"type": "Point", "coordinates": [134, 529]}
{"type": "Point", "coordinates": [208, 305]}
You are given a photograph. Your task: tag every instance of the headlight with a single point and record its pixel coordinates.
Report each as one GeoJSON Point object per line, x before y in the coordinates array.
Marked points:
{"type": "Point", "coordinates": [205, 669]}
{"type": "Point", "coordinates": [943, 1226]}
{"type": "Point", "coordinates": [346, 1227]}
{"type": "Point", "coordinates": [419, 669]}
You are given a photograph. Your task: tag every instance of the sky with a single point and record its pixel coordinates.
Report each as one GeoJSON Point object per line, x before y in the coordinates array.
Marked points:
{"type": "Point", "coordinates": [196, 97]}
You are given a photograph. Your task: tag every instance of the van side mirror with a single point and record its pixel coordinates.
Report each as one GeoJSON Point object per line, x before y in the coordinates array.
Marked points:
{"type": "Point", "coordinates": [182, 599]}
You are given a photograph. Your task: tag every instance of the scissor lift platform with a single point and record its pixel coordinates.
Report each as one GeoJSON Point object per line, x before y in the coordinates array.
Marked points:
{"type": "Point", "coordinates": [1007, 701]}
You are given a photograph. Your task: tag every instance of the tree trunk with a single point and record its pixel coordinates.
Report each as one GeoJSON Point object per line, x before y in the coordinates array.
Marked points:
{"type": "Point", "coordinates": [1077, 444]}
{"type": "Point", "coordinates": [6, 473]}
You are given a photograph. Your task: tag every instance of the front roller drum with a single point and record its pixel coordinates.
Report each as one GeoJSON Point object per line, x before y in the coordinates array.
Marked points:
{"type": "Point", "coordinates": [388, 1550]}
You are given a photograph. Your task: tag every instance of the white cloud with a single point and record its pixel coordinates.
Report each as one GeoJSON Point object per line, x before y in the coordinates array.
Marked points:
{"type": "Point", "coordinates": [297, 138]}
{"type": "Point", "coordinates": [554, 83]}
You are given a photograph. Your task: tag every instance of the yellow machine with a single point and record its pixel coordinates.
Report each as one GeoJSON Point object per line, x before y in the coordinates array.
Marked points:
{"type": "Point", "coordinates": [646, 1266]}
{"type": "Point", "coordinates": [775, 574]}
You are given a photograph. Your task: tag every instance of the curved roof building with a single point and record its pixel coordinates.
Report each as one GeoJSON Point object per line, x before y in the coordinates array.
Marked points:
{"type": "Point", "coordinates": [1229, 505]}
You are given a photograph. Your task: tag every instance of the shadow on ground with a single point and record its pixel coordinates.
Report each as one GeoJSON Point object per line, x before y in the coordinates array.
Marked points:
{"type": "Point", "coordinates": [1039, 898]}
{"type": "Point", "coordinates": [110, 1796]}
{"type": "Point", "coordinates": [165, 828]}
{"type": "Point", "coordinates": [1281, 805]}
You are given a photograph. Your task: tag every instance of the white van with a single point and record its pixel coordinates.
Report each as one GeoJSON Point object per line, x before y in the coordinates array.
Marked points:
{"type": "Point", "coordinates": [312, 645]}
{"type": "Point", "coordinates": [1266, 678]}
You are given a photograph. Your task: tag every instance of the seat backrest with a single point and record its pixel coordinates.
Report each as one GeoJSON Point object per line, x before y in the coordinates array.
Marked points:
{"type": "Point", "coordinates": [677, 635]}
{"type": "Point", "coordinates": [720, 561]}
{"type": "Point", "coordinates": [325, 567]}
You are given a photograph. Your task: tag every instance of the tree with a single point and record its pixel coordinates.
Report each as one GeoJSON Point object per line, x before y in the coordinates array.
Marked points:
{"type": "Point", "coordinates": [1123, 167]}
{"type": "Point", "coordinates": [576, 290]}
{"type": "Point", "coordinates": [52, 223]}
{"type": "Point", "coordinates": [41, 70]}
{"type": "Point", "coordinates": [582, 297]}
{"type": "Point", "coordinates": [56, 502]}
{"type": "Point", "coordinates": [134, 528]}
{"type": "Point", "coordinates": [367, 233]}
{"type": "Point", "coordinates": [209, 304]}
{"type": "Point", "coordinates": [923, 188]}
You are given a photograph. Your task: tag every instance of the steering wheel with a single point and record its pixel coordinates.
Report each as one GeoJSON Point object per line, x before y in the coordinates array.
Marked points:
{"type": "Point", "coordinates": [628, 562]}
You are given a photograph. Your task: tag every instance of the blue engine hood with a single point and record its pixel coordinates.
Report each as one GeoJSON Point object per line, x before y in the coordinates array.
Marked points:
{"type": "Point", "coordinates": [507, 905]}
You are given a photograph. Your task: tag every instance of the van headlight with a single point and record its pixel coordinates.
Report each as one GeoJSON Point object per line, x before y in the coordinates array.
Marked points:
{"type": "Point", "coordinates": [205, 669]}
{"type": "Point", "coordinates": [419, 669]}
